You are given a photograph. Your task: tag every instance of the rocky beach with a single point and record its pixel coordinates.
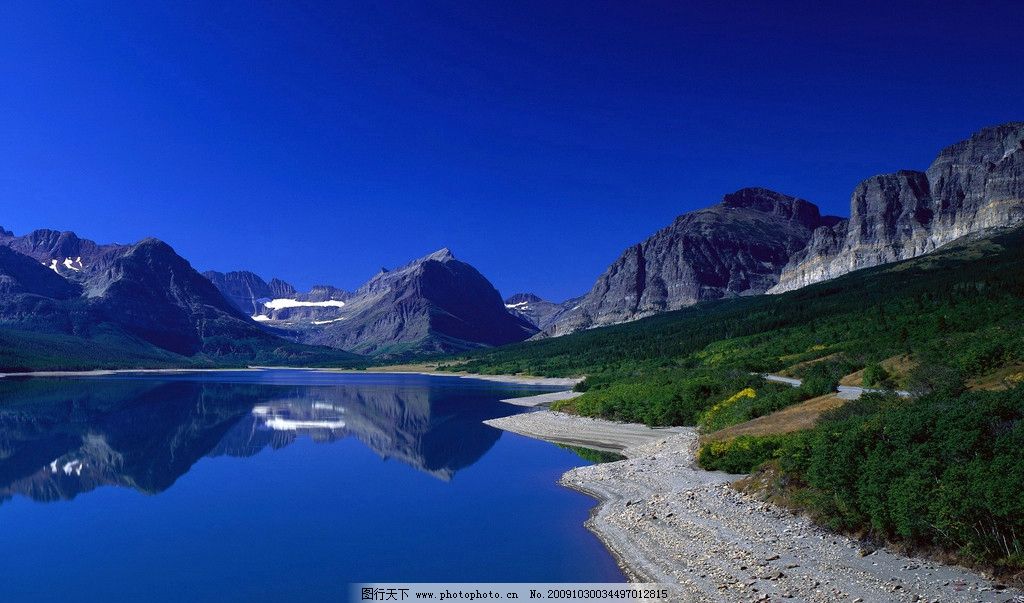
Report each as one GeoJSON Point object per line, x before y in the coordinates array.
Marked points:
{"type": "Point", "coordinates": [668, 521]}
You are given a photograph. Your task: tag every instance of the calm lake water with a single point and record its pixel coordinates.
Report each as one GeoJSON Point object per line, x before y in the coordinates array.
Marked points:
{"type": "Point", "coordinates": [277, 485]}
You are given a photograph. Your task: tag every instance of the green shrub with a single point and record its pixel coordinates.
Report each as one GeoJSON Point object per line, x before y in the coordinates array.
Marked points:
{"type": "Point", "coordinates": [939, 471]}
{"type": "Point", "coordinates": [743, 454]}
{"type": "Point", "coordinates": [875, 375]}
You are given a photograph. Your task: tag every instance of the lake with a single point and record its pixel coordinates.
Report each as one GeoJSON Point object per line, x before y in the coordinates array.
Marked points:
{"type": "Point", "coordinates": [277, 485]}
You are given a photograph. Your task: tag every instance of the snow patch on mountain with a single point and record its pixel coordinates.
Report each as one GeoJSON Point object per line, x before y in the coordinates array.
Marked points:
{"type": "Point", "coordinates": [70, 264]}
{"type": "Point", "coordinates": [73, 466]}
{"type": "Point", "coordinates": [277, 304]}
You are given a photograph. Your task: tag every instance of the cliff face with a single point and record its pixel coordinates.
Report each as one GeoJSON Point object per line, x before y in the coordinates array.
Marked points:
{"type": "Point", "coordinates": [971, 187]}
{"type": "Point", "coordinates": [735, 248]}
{"type": "Point", "coordinates": [243, 289]}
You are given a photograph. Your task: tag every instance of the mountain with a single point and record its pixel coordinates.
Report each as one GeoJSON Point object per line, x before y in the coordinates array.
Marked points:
{"type": "Point", "coordinates": [277, 300]}
{"type": "Point", "coordinates": [971, 187]}
{"type": "Point", "coordinates": [945, 326]}
{"type": "Point", "coordinates": [433, 304]}
{"type": "Point", "coordinates": [732, 249]}
{"type": "Point", "coordinates": [143, 301]}
{"type": "Point", "coordinates": [21, 275]}
{"type": "Point", "coordinates": [247, 291]}
{"type": "Point", "coordinates": [540, 312]}
{"type": "Point", "coordinates": [757, 241]}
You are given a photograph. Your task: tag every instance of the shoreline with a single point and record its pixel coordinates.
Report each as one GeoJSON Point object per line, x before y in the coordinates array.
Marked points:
{"type": "Point", "coordinates": [107, 372]}
{"type": "Point", "coordinates": [516, 379]}
{"type": "Point", "coordinates": [574, 430]}
{"type": "Point", "coordinates": [666, 520]}
{"type": "Point", "coordinates": [543, 400]}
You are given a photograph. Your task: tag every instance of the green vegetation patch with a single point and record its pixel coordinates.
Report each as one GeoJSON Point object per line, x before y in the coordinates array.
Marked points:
{"type": "Point", "coordinates": [955, 315]}
{"type": "Point", "coordinates": [943, 471]}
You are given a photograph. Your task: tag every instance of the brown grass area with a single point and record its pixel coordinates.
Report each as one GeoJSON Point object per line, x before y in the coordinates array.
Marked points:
{"type": "Point", "coordinates": [998, 380]}
{"type": "Point", "coordinates": [897, 366]}
{"type": "Point", "coordinates": [794, 418]}
{"type": "Point", "coordinates": [791, 371]}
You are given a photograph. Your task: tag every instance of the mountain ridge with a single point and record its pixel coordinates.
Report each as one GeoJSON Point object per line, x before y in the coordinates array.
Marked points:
{"type": "Point", "coordinates": [973, 186]}
{"type": "Point", "coordinates": [731, 249]}
{"type": "Point", "coordinates": [434, 303]}
{"type": "Point", "coordinates": [135, 302]}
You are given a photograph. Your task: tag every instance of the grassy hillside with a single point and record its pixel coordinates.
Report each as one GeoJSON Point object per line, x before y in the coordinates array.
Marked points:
{"type": "Point", "coordinates": [955, 315]}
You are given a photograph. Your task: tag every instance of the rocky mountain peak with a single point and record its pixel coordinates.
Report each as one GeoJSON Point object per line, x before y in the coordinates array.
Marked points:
{"type": "Point", "coordinates": [280, 288]}
{"type": "Point", "coordinates": [242, 288]}
{"type": "Point", "coordinates": [21, 274]}
{"type": "Point", "coordinates": [737, 247]}
{"type": "Point", "coordinates": [145, 291]}
{"type": "Point", "coordinates": [326, 292]}
{"type": "Point", "coordinates": [776, 204]}
{"type": "Point", "coordinates": [986, 146]}
{"type": "Point", "coordinates": [519, 298]}
{"type": "Point", "coordinates": [432, 304]}
{"type": "Point", "coordinates": [441, 255]}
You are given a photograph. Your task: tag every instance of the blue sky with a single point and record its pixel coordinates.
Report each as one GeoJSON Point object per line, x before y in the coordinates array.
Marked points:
{"type": "Point", "coordinates": [320, 142]}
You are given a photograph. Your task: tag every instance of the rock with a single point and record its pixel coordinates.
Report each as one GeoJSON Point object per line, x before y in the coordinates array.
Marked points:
{"type": "Point", "coordinates": [246, 290]}
{"type": "Point", "coordinates": [146, 290]}
{"type": "Point", "coordinates": [735, 248]}
{"type": "Point", "coordinates": [971, 187]}
{"type": "Point", "coordinates": [433, 304]}
{"type": "Point", "coordinates": [538, 312]}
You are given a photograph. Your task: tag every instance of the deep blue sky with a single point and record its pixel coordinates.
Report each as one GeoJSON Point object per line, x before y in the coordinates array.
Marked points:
{"type": "Point", "coordinates": [318, 143]}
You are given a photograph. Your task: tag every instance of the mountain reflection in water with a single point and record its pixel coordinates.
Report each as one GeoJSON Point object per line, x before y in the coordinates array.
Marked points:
{"type": "Point", "coordinates": [63, 437]}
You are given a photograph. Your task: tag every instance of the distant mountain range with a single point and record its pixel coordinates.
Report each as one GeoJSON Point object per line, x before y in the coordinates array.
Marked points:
{"type": "Point", "coordinates": [433, 304]}
{"type": "Point", "coordinates": [68, 302]}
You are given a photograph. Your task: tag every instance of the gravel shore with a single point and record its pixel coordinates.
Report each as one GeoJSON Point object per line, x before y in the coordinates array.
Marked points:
{"type": "Point", "coordinates": [542, 399]}
{"type": "Point", "coordinates": [668, 521]}
{"type": "Point", "coordinates": [581, 431]}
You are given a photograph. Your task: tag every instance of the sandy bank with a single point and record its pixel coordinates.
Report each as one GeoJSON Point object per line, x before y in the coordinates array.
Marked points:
{"type": "Point", "coordinates": [669, 521]}
{"type": "Point", "coordinates": [543, 399]}
{"type": "Point", "coordinates": [580, 431]}
{"type": "Point", "coordinates": [566, 382]}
